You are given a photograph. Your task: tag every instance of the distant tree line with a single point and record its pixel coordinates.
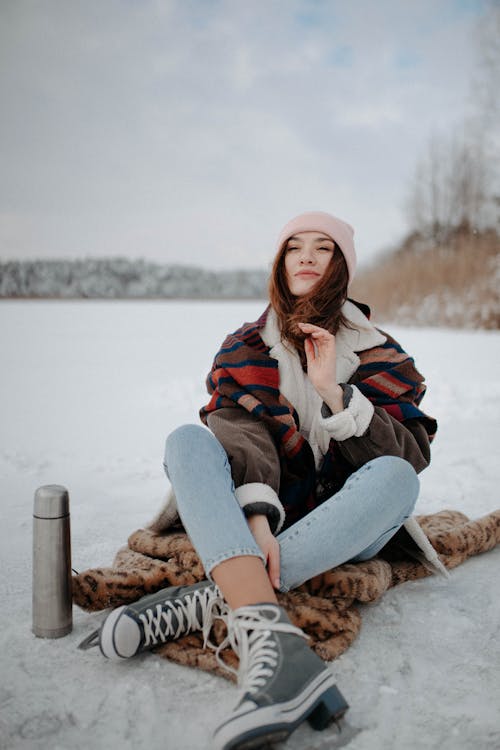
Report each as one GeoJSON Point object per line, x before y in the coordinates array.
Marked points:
{"type": "Point", "coordinates": [114, 278]}
{"type": "Point", "coordinates": [456, 185]}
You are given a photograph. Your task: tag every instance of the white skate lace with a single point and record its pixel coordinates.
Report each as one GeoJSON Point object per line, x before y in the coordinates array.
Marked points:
{"type": "Point", "coordinates": [250, 636]}
{"type": "Point", "coordinates": [192, 613]}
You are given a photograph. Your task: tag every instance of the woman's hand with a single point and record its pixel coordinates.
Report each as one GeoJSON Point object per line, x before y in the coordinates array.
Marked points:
{"type": "Point", "coordinates": [319, 347]}
{"type": "Point", "coordinates": [259, 526]}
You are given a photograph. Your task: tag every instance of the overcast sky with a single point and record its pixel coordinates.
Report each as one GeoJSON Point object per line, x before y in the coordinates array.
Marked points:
{"type": "Point", "coordinates": [190, 131]}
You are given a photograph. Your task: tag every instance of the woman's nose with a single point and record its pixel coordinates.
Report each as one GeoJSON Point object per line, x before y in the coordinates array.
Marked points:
{"type": "Point", "coordinates": [306, 256]}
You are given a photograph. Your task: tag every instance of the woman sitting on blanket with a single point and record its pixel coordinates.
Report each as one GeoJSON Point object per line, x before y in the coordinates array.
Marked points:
{"type": "Point", "coordinates": [311, 457]}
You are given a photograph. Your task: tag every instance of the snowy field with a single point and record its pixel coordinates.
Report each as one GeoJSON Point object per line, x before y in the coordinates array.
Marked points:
{"type": "Point", "coordinates": [89, 390]}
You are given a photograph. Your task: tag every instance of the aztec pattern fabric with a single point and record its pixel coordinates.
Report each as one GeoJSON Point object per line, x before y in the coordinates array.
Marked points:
{"type": "Point", "coordinates": [327, 607]}
{"type": "Point", "coordinates": [244, 375]}
{"type": "Point", "coordinates": [388, 377]}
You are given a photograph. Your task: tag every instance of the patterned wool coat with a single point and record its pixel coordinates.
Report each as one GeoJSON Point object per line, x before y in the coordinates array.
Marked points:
{"type": "Point", "coordinates": [288, 453]}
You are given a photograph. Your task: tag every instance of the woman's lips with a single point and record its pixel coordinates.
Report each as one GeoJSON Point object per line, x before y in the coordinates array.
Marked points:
{"type": "Point", "coordinates": [307, 273]}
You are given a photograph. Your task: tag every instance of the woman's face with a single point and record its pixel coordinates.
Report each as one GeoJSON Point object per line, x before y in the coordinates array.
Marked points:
{"type": "Point", "coordinates": [307, 256]}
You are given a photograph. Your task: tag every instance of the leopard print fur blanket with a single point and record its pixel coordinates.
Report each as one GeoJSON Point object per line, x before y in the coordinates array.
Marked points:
{"type": "Point", "coordinates": [324, 607]}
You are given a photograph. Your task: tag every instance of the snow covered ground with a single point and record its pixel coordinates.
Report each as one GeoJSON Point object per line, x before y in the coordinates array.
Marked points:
{"type": "Point", "coordinates": [89, 390]}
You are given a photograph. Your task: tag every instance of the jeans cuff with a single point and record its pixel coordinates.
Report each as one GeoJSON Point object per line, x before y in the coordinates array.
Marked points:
{"type": "Point", "coordinates": [212, 562]}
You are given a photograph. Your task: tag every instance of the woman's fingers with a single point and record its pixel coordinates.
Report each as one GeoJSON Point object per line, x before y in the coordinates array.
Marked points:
{"type": "Point", "coordinates": [259, 526]}
{"type": "Point", "coordinates": [313, 330]}
{"type": "Point", "coordinates": [320, 335]}
{"type": "Point", "coordinates": [273, 564]}
{"type": "Point", "coordinates": [320, 351]}
{"type": "Point", "coordinates": [309, 350]}
{"type": "Point", "coordinates": [316, 345]}
{"type": "Point", "coordinates": [311, 326]}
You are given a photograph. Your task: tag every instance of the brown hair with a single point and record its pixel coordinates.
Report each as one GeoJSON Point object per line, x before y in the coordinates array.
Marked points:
{"type": "Point", "coordinates": [322, 306]}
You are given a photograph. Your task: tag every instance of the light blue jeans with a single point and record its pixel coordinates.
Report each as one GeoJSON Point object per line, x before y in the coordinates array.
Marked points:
{"type": "Point", "coordinates": [352, 525]}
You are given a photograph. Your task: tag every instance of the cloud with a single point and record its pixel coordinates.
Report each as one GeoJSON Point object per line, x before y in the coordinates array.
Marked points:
{"type": "Point", "coordinates": [190, 131]}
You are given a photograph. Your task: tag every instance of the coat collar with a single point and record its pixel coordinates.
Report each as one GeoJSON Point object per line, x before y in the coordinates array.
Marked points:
{"type": "Point", "coordinates": [360, 335]}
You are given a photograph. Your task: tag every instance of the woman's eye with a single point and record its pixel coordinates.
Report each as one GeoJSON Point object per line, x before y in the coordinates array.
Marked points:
{"type": "Point", "coordinates": [328, 249]}
{"type": "Point", "coordinates": [291, 248]}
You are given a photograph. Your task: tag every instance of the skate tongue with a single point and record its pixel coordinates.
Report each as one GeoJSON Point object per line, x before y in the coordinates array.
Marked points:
{"type": "Point", "coordinates": [90, 641]}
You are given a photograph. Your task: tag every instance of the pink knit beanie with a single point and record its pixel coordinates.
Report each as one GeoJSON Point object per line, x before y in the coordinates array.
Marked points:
{"type": "Point", "coordinates": [319, 221]}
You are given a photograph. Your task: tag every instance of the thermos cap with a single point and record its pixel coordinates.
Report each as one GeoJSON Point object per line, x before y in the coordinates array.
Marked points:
{"type": "Point", "coordinates": [51, 501]}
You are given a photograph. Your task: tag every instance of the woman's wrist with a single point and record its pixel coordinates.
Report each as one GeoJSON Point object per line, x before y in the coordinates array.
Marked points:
{"type": "Point", "coordinates": [258, 521]}
{"type": "Point", "coordinates": [334, 399]}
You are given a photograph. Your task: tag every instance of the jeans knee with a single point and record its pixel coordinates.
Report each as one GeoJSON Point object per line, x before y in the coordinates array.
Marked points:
{"type": "Point", "coordinates": [400, 475]}
{"type": "Point", "coordinates": [183, 440]}
{"type": "Point", "coordinates": [193, 442]}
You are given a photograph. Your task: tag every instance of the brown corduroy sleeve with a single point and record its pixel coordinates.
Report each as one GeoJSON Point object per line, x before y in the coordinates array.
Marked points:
{"type": "Point", "coordinates": [388, 437]}
{"type": "Point", "coordinates": [250, 447]}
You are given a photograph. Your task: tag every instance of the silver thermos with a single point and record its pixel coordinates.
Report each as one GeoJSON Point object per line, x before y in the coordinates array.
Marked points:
{"type": "Point", "coordinates": [52, 595]}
